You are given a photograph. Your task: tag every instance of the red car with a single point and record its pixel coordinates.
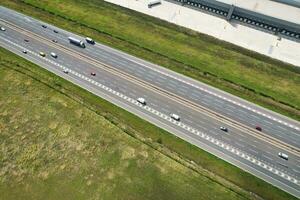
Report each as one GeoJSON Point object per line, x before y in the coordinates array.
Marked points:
{"type": "Point", "coordinates": [93, 73]}
{"type": "Point", "coordinates": [258, 128]}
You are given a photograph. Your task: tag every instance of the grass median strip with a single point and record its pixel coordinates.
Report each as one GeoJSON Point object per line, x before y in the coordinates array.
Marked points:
{"type": "Point", "coordinates": [42, 134]}
{"type": "Point", "coordinates": [257, 78]}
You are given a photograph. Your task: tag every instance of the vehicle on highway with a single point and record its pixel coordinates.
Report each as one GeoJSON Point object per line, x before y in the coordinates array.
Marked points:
{"type": "Point", "coordinates": [141, 101]}
{"type": "Point", "coordinates": [93, 73]}
{"type": "Point", "coordinates": [90, 40]}
{"type": "Point", "coordinates": [224, 128]}
{"type": "Point", "coordinates": [54, 55]}
{"type": "Point", "coordinates": [55, 31]}
{"type": "Point", "coordinates": [24, 51]}
{"type": "Point", "coordinates": [26, 40]}
{"type": "Point", "coordinates": [175, 117]}
{"type": "Point", "coordinates": [258, 128]}
{"type": "Point", "coordinates": [66, 71]}
{"type": "Point", "coordinates": [44, 26]}
{"type": "Point", "coordinates": [2, 28]}
{"type": "Point", "coordinates": [55, 41]}
{"type": "Point", "coordinates": [42, 54]}
{"type": "Point", "coordinates": [283, 156]}
{"type": "Point", "coordinates": [77, 42]}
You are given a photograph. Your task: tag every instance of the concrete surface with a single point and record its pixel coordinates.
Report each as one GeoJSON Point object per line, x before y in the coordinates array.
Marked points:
{"type": "Point", "coordinates": [247, 37]}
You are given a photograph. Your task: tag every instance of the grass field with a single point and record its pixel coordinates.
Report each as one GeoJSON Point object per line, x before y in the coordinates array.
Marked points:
{"type": "Point", "coordinates": [257, 78]}
{"type": "Point", "coordinates": [58, 140]}
{"type": "Point", "coordinates": [54, 147]}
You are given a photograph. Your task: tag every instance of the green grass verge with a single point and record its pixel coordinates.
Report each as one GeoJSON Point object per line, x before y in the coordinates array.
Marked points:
{"type": "Point", "coordinates": [55, 147]}
{"type": "Point", "coordinates": [254, 77]}
{"type": "Point", "coordinates": [55, 135]}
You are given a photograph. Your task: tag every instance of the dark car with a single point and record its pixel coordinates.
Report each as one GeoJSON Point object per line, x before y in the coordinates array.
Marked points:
{"type": "Point", "coordinates": [258, 128]}
{"type": "Point", "coordinates": [224, 129]}
{"type": "Point", "coordinates": [55, 31]}
{"type": "Point", "coordinates": [55, 41]}
{"type": "Point", "coordinates": [93, 73]}
{"type": "Point", "coordinates": [44, 26]}
{"type": "Point", "coordinates": [26, 40]}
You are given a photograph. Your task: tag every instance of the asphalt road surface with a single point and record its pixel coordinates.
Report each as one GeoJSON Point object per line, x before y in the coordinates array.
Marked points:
{"type": "Point", "coordinates": [121, 79]}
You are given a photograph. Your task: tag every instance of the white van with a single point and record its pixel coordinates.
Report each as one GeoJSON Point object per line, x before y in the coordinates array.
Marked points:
{"type": "Point", "coordinates": [283, 155]}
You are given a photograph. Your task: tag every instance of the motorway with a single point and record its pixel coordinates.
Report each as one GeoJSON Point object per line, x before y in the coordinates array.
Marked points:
{"type": "Point", "coordinates": [122, 78]}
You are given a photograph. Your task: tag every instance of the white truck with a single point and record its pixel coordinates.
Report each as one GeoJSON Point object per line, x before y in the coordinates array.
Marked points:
{"type": "Point", "coordinates": [77, 42]}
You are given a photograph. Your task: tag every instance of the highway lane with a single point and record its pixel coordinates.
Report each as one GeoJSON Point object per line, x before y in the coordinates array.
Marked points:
{"type": "Point", "coordinates": [79, 67]}
{"type": "Point", "coordinates": [168, 109]}
{"type": "Point", "coordinates": [147, 71]}
{"type": "Point", "coordinates": [84, 66]}
{"type": "Point", "coordinates": [254, 151]}
{"type": "Point", "coordinates": [189, 117]}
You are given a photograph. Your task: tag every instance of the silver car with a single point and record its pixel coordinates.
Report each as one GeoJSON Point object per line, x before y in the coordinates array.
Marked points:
{"type": "Point", "coordinates": [54, 55]}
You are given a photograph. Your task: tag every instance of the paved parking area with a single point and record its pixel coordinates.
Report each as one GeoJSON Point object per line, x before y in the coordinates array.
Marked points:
{"type": "Point", "coordinates": [247, 37]}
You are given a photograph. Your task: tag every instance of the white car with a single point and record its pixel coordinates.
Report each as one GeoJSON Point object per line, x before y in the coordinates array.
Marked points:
{"type": "Point", "coordinates": [42, 54]}
{"type": "Point", "coordinates": [283, 155]}
{"type": "Point", "coordinates": [54, 55]}
{"type": "Point", "coordinates": [175, 117]}
{"type": "Point", "coordinates": [141, 100]}
{"type": "Point", "coordinates": [2, 28]}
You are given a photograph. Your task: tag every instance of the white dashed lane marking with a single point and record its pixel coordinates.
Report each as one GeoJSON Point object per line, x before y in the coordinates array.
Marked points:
{"type": "Point", "coordinates": [204, 136]}
{"type": "Point", "coordinates": [217, 95]}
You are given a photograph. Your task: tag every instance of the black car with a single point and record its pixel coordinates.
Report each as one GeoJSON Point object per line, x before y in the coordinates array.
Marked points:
{"type": "Point", "coordinates": [93, 73]}
{"type": "Point", "coordinates": [258, 128]}
{"type": "Point", "coordinates": [44, 26]}
{"type": "Point", "coordinates": [55, 31]}
{"type": "Point", "coordinates": [224, 129]}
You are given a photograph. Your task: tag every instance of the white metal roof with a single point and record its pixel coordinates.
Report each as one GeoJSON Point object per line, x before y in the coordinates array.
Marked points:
{"type": "Point", "coordinates": [269, 8]}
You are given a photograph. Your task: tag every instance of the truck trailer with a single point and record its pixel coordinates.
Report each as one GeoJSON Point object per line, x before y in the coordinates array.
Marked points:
{"type": "Point", "coordinates": [77, 42]}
